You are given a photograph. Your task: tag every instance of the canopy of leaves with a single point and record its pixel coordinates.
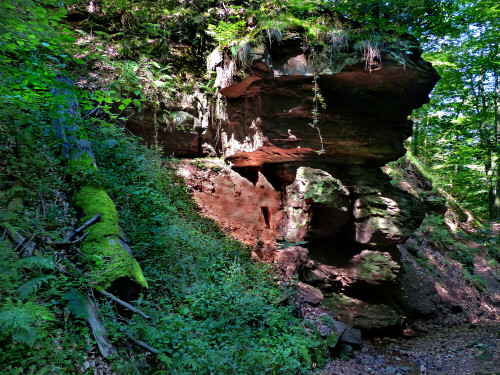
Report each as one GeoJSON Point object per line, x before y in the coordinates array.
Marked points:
{"type": "Point", "coordinates": [456, 135]}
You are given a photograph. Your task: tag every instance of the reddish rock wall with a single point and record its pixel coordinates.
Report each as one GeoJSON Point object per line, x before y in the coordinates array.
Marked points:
{"type": "Point", "coordinates": [318, 186]}
{"type": "Point", "coordinates": [322, 189]}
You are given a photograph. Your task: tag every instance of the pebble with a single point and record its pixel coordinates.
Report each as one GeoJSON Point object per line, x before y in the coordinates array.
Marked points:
{"type": "Point", "coordinates": [391, 370]}
{"type": "Point", "coordinates": [425, 355]}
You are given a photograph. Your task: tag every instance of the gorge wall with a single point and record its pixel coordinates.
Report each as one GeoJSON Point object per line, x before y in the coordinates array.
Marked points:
{"type": "Point", "coordinates": [305, 129]}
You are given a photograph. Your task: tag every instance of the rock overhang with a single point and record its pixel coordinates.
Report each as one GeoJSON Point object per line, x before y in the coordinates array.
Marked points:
{"type": "Point", "coordinates": [361, 127]}
{"type": "Point", "coordinates": [273, 130]}
{"type": "Point", "coordinates": [367, 103]}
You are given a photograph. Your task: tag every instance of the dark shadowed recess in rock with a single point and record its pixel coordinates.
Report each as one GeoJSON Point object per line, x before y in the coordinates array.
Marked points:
{"type": "Point", "coordinates": [336, 251]}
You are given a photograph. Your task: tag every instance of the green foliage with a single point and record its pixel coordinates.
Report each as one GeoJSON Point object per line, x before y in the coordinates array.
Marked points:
{"type": "Point", "coordinates": [21, 321]}
{"type": "Point", "coordinates": [227, 32]}
{"type": "Point", "coordinates": [36, 337]}
{"type": "Point", "coordinates": [76, 303]}
{"type": "Point", "coordinates": [332, 339]}
{"type": "Point", "coordinates": [424, 262]}
{"type": "Point", "coordinates": [33, 285]}
{"type": "Point", "coordinates": [213, 309]}
{"type": "Point", "coordinates": [437, 232]}
{"type": "Point", "coordinates": [318, 102]}
{"type": "Point", "coordinates": [145, 80]}
{"type": "Point", "coordinates": [456, 135]}
{"type": "Point", "coordinates": [422, 18]}
{"type": "Point", "coordinates": [478, 280]}
{"type": "Point", "coordinates": [37, 262]}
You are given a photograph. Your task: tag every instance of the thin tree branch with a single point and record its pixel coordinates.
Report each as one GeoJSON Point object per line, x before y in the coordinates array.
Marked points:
{"type": "Point", "coordinates": [125, 304]}
{"type": "Point", "coordinates": [142, 344]}
{"type": "Point", "coordinates": [95, 219]}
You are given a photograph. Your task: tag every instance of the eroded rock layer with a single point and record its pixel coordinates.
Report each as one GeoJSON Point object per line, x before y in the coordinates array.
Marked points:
{"type": "Point", "coordinates": [362, 114]}
{"type": "Point", "coordinates": [318, 134]}
{"type": "Point", "coordinates": [306, 131]}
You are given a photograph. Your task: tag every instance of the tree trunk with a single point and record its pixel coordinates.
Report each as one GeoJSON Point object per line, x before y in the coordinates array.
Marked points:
{"type": "Point", "coordinates": [494, 193]}
{"type": "Point", "coordinates": [108, 260]}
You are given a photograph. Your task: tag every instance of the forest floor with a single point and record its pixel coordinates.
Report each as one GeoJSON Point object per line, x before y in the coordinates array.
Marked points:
{"type": "Point", "coordinates": [461, 349]}
{"type": "Point", "coordinates": [465, 349]}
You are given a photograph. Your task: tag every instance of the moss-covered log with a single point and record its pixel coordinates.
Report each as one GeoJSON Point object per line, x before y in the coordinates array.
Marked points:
{"type": "Point", "coordinates": [102, 246]}
{"type": "Point", "coordinates": [108, 260]}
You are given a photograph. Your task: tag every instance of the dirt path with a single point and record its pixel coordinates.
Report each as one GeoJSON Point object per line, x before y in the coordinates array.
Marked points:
{"type": "Point", "coordinates": [462, 350]}
{"type": "Point", "coordinates": [490, 276]}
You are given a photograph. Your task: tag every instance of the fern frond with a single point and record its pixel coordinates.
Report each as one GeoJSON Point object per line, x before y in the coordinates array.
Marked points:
{"type": "Point", "coordinates": [18, 190]}
{"type": "Point", "coordinates": [37, 262]}
{"type": "Point", "coordinates": [41, 313]}
{"type": "Point", "coordinates": [19, 320]}
{"type": "Point", "coordinates": [31, 286]}
{"type": "Point", "coordinates": [6, 225]}
{"type": "Point", "coordinates": [77, 303]}
{"type": "Point", "coordinates": [6, 216]}
{"type": "Point", "coordinates": [164, 77]}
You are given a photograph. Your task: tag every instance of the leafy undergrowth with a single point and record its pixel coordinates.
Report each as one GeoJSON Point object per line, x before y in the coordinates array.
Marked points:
{"type": "Point", "coordinates": [213, 309]}
{"type": "Point", "coordinates": [448, 227]}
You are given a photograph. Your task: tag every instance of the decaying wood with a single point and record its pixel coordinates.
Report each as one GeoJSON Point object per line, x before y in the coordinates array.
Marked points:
{"type": "Point", "coordinates": [125, 304]}
{"type": "Point", "coordinates": [70, 240]}
{"type": "Point", "coordinates": [497, 278]}
{"type": "Point", "coordinates": [27, 246]}
{"type": "Point", "coordinates": [78, 150]}
{"type": "Point", "coordinates": [142, 344]}
{"type": "Point", "coordinates": [63, 245]}
{"type": "Point", "coordinates": [98, 329]}
{"type": "Point", "coordinates": [79, 239]}
{"type": "Point", "coordinates": [78, 231]}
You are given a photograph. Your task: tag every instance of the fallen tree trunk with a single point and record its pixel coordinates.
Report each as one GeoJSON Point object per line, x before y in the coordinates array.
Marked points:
{"type": "Point", "coordinates": [98, 330]}
{"type": "Point", "coordinates": [26, 246]}
{"type": "Point", "coordinates": [108, 260]}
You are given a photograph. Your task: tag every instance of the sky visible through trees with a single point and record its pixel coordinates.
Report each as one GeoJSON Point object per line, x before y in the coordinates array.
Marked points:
{"type": "Point", "coordinates": [456, 136]}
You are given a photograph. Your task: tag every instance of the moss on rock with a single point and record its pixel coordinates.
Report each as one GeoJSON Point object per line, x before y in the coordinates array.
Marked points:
{"type": "Point", "coordinates": [375, 267]}
{"type": "Point", "coordinates": [362, 315]}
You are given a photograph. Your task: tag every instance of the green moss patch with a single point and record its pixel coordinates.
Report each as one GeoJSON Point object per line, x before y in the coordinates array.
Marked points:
{"type": "Point", "coordinates": [109, 260]}
{"type": "Point", "coordinates": [378, 266]}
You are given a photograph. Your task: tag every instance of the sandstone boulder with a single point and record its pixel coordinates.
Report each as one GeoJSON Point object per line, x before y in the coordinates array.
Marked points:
{"type": "Point", "coordinates": [292, 259]}
{"type": "Point", "coordinates": [368, 268]}
{"type": "Point", "coordinates": [309, 294]}
{"type": "Point", "coordinates": [316, 205]}
{"type": "Point", "coordinates": [363, 315]}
